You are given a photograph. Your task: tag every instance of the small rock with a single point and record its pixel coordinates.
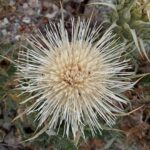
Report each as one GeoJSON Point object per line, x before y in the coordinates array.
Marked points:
{"type": "Point", "coordinates": [7, 125]}
{"type": "Point", "coordinates": [17, 37]}
{"type": "Point", "coordinates": [4, 32]}
{"type": "Point", "coordinates": [9, 140]}
{"type": "Point", "coordinates": [25, 6]}
{"type": "Point", "coordinates": [34, 3]}
{"type": "Point", "coordinates": [9, 33]}
{"type": "Point", "coordinates": [26, 20]}
{"type": "Point", "coordinates": [46, 4]}
{"type": "Point", "coordinates": [12, 3]}
{"type": "Point", "coordinates": [51, 132]}
{"type": "Point", "coordinates": [17, 20]}
{"type": "Point", "coordinates": [6, 21]}
{"type": "Point", "coordinates": [30, 11]}
{"type": "Point", "coordinates": [53, 10]}
{"type": "Point", "coordinates": [38, 11]}
{"type": "Point", "coordinates": [16, 27]}
{"type": "Point", "coordinates": [52, 15]}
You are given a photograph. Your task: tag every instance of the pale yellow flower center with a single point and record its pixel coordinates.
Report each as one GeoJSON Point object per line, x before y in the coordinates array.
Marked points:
{"type": "Point", "coordinates": [74, 74]}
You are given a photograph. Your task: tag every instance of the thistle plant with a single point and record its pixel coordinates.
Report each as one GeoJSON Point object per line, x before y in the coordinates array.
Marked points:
{"type": "Point", "coordinates": [76, 79]}
{"type": "Point", "coordinates": [130, 20]}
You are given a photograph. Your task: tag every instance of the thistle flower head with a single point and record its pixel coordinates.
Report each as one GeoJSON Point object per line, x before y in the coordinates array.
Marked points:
{"type": "Point", "coordinates": [75, 79]}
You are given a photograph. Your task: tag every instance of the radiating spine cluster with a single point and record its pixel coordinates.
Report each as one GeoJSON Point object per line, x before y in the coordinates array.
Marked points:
{"type": "Point", "coordinates": [74, 80]}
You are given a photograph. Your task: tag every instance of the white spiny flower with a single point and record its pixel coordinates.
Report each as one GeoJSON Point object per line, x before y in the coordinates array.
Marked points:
{"type": "Point", "coordinates": [75, 79]}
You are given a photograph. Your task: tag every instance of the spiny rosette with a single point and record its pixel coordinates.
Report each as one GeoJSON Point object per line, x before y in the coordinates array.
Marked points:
{"type": "Point", "coordinates": [75, 78]}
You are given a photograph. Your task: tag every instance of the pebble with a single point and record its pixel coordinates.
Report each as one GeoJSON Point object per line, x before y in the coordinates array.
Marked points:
{"type": "Point", "coordinates": [34, 3]}
{"type": "Point", "coordinates": [12, 3]}
{"type": "Point", "coordinates": [5, 21]}
{"type": "Point", "coordinates": [52, 15]}
{"type": "Point", "coordinates": [4, 32]}
{"type": "Point", "coordinates": [7, 125]}
{"type": "Point", "coordinates": [17, 37]}
{"type": "Point", "coordinates": [25, 6]}
{"type": "Point", "coordinates": [53, 10]}
{"type": "Point", "coordinates": [9, 140]}
{"type": "Point", "coordinates": [30, 11]}
{"type": "Point", "coordinates": [46, 4]}
{"type": "Point", "coordinates": [38, 12]}
{"type": "Point", "coordinates": [26, 20]}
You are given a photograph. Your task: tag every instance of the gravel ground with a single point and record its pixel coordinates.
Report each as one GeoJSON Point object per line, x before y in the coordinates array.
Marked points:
{"type": "Point", "coordinates": [20, 18]}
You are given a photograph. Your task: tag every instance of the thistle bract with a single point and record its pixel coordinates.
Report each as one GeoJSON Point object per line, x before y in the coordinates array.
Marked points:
{"type": "Point", "coordinates": [76, 79]}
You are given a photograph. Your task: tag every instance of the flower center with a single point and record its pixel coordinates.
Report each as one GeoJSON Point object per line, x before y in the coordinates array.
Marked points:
{"type": "Point", "coordinates": [74, 75]}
